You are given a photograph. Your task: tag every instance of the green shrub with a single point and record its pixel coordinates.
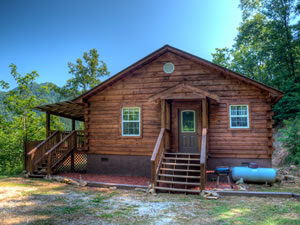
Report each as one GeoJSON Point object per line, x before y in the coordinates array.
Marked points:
{"type": "Point", "coordinates": [291, 139]}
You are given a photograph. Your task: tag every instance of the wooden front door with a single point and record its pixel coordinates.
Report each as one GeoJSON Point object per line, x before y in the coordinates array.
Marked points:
{"type": "Point", "coordinates": [188, 130]}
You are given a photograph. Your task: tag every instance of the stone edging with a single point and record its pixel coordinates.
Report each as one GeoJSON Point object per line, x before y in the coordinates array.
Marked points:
{"type": "Point", "coordinates": [259, 194]}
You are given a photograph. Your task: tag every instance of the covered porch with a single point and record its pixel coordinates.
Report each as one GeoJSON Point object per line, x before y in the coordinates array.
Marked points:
{"type": "Point", "coordinates": [179, 159]}
{"type": "Point", "coordinates": [60, 150]}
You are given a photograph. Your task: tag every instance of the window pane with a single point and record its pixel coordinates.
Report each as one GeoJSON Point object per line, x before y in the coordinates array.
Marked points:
{"type": "Point", "coordinates": [136, 115]}
{"type": "Point", "coordinates": [131, 128]}
{"type": "Point", "coordinates": [244, 110]}
{"type": "Point", "coordinates": [188, 121]}
{"type": "Point", "coordinates": [238, 110]}
{"type": "Point", "coordinates": [125, 129]}
{"type": "Point", "coordinates": [130, 114]}
{"type": "Point", "coordinates": [233, 111]}
{"type": "Point", "coordinates": [239, 122]}
{"type": "Point", "coordinates": [125, 114]}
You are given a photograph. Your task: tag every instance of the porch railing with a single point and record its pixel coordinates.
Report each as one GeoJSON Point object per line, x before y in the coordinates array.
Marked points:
{"type": "Point", "coordinates": [39, 151]}
{"type": "Point", "coordinates": [58, 143]}
{"type": "Point", "coordinates": [203, 159]}
{"type": "Point", "coordinates": [60, 151]}
{"type": "Point", "coordinates": [158, 152]}
{"type": "Point", "coordinates": [79, 139]}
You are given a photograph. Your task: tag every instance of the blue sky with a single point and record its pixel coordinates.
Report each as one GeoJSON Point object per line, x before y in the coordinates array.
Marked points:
{"type": "Point", "coordinates": [46, 35]}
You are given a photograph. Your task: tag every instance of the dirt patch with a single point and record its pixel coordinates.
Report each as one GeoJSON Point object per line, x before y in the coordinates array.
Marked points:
{"type": "Point", "coordinates": [280, 154]}
{"type": "Point", "coordinates": [27, 201]}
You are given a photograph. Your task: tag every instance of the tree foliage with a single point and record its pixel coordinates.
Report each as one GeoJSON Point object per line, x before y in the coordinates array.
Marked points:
{"type": "Point", "coordinates": [24, 124]}
{"type": "Point", "coordinates": [267, 49]}
{"type": "Point", "coordinates": [86, 74]}
{"type": "Point", "coordinates": [291, 139]}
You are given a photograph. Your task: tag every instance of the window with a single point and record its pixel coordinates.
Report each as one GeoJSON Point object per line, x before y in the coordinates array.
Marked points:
{"type": "Point", "coordinates": [131, 121]}
{"type": "Point", "coordinates": [239, 116]}
{"type": "Point", "coordinates": [187, 121]}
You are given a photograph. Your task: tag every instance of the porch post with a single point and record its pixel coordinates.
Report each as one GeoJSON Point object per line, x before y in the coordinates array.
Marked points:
{"type": "Point", "coordinates": [163, 105]}
{"type": "Point", "coordinates": [204, 114]}
{"type": "Point", "coordinates": [163, 113]}
{"type": "Point", "coordinates": [73, 124]}
{"type": "Point", "coordinates": [168, 125]}
{"type": "Point", "coordinates": [75, 145]}
{"type": "Point", "coordinates": [47, 124]}
{"type": "Point", "coordinates": [204, 125]}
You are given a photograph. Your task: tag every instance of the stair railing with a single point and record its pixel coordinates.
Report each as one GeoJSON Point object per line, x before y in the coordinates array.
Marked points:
{"type": "Point", "coordinates": [80, 137]}
{"type": "Point", "coordinates": [157, 154]}
{"type": "Point", "coordinates": [203, 159]}
{"type": "Point", "coordinates": [39, 151]}
{"type": "Point", "coordinates": [58, 153]}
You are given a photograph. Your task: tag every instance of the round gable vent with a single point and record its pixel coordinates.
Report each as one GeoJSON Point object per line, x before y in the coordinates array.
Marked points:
{"type": "Point", "coordinates": [169, 67]}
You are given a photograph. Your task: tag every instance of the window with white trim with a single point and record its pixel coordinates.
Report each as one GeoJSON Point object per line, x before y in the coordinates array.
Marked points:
{"type": "Point", "coordinates": [131, 121]}
{"type": "Point", "coordinates": [239, 116]}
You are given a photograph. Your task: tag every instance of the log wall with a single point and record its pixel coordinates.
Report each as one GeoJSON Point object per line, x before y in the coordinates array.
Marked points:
{"type": "Point", "coordinates": [103, 111]}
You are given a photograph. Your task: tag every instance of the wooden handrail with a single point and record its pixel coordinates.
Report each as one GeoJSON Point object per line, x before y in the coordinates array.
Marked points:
{"type": "Point", "coordinates": [157, 153]}
{"type": "Point", "coordinates": [41, 144]}
{"type": "Point", "coordinates": [79, 134]}
{"type": "Point", "coordinates": [203, 159]}
{"type": "Point", "coordinates": [157, 145]}
{"type": "Point", "coordinates": [60, 143]}
{"type": "Point", "coordinates": [65, 147]}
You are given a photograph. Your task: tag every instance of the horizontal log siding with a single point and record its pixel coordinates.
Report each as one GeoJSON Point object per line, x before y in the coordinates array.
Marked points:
{"type": "Point", "coordinates": [104, 111]}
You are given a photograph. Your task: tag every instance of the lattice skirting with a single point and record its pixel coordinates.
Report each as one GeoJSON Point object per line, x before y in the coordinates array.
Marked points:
{"type": "Point", "coordinates": [80, 163]}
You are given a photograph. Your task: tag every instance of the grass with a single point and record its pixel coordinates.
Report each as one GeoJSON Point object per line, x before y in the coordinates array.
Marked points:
{"type": "Point", "coordinates": [99, 198]}
{"type": "Point", "coordinates": [29, 201]}
{"type": "Point", "coordinates": [294, 188]}
{"type": "Point", "coordinates": [248, 212]}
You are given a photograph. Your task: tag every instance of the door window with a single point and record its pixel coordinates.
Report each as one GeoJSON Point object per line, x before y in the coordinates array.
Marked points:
{"type": "Point", "coordinates": [188, 121]}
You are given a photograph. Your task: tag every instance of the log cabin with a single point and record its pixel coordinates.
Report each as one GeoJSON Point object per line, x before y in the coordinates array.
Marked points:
{"type": "Point", "coordinates": [170, 116]}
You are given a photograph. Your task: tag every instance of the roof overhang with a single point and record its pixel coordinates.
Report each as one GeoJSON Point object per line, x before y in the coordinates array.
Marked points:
{"type": "Point", "coordinates": [67, 109]}
{"type": "Point", "coordinates": [183, 91]}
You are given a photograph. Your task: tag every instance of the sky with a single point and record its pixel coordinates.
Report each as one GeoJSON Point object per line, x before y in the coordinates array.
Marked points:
{"type": "Point", "coordinates": [44, 35]}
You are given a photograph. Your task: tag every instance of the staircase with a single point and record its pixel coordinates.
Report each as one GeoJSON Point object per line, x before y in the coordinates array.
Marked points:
{"type": "Point", "coordinates": [179, 172]}
{"type": "Point", "coordinates": [50, 153]}
{"type": "Point", "coordinates": [40, 171]}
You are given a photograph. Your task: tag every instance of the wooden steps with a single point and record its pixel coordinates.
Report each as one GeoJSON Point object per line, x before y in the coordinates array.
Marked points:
{"type": "Point", "coordinates": [180, 153]}
{"type": "Point", "coordinates": [180, 164]}
{"type": "Point", "coordinates": [36, 175]}
{"type": "Point", "coordinates": [179, 176]}
{"type": "Point", "coordinates": [177, 182]}
{"type": "Point", "coordinates": [179, 172]}
{"type": "Point", "coordinates": [181, 159]}
{"type": "Point", "coordinates": [178, 190]}
{"type": "Point", "coordinates": [58, 148]}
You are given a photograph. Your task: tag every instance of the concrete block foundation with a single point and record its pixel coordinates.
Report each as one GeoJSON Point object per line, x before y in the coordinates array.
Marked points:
{"type": "Point", "coordinates": [119, 165]}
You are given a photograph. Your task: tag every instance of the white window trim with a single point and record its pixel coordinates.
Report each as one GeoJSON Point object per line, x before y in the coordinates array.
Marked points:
{"type": "Point", "coordinates": [248, 124]}
{"type": "Point", "coordinates": [181, 119]}
{"type": "Point", "coordinates": [139, 121]}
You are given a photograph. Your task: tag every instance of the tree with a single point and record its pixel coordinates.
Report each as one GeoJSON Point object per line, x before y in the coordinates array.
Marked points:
{"type": "Point", "coordinates": [3, 84]}
{"type": "Point", "coordinates": [25, 124]}
{"type": "Point", "coordinates": [267, 49]}
{"type": "Point", "coordinates": [86, 75]}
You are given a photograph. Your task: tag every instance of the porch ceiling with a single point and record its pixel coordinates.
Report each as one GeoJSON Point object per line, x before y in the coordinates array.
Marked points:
{"type": "Point", "coordinates": [183, 91]}
{"type": "Point", "coordinates": [66, 109]}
